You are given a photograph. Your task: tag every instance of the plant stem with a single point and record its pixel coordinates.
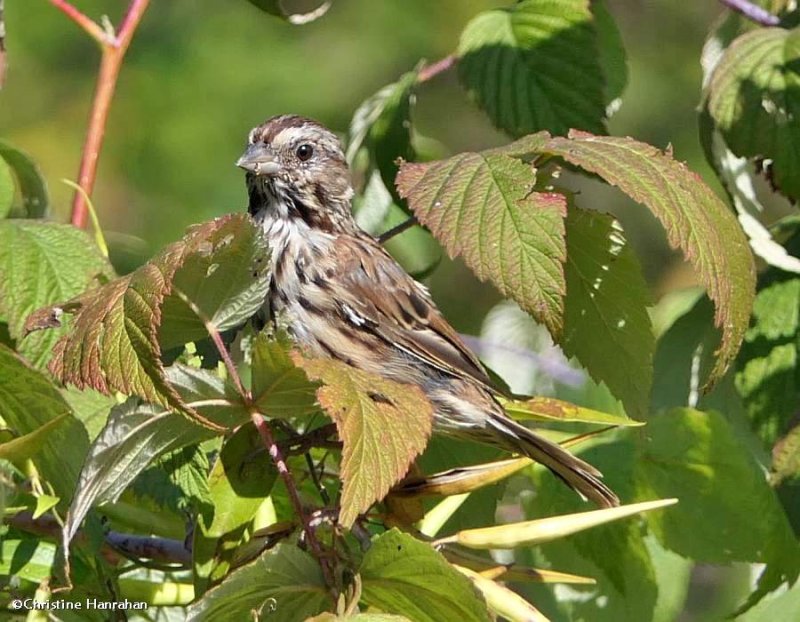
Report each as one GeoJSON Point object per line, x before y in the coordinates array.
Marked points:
{"type": "Point", "coordinates": [753, 12]}
{"type": "Point", "coordinates": [434, 69]}
{"type": "Point", "coordinates": [113, 48]}
{"type": "Point", "coordinates": [397, 230]}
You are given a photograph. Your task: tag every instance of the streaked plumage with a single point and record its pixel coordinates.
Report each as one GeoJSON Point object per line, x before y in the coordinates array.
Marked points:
{"type": "Point", "coordinates": [343, 296]}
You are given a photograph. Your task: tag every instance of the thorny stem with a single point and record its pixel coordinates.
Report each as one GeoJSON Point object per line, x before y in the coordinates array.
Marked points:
{"type": "Point", "coordinates": [753, 12]}
{"type": "Point", "coordinates": [434, 69]}
{"type": "Point", "coordinates": [113, 47]}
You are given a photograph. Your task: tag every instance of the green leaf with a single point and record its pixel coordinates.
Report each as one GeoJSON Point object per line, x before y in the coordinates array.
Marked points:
{"type": "Point", "coordinates": [44, 503]}
{"type": "Point", "coordinates": [786, 456]}
{"type": "Point", "coordinates": [783, 607]}
{"type": "Point", "coordinates": [113, 343]}
{"type": "Point", "coordinates": [29, 559]}
{"type": "Point", "coordinates": [42, 263]}
{"type": "Point", "coordinates": [28, 402]}
{"type": "Point", "coordinates": [482, 208]}
{"type": "Point", "coordinates": [612, 52]}
{"type": "Point", "coordinates": [137, 433]}
{"type": "Point", "coordinates": [696, 457]}
{"type": "Point", "coordinates": [606, 324]}
{"type": "Point", "coordinates": [383, 424]}
{"type": "Point", "coordinates": [284, 584]}
{"type": "Point", "coordinates": [535, 65]}
{"type": "Point", "coordinates": [31, 184]}
{"type": "Point", "coordinates": [753, 99]}
{"type": "Point", "coordinates": [6, 189]}
{"type": "Point", "coordinates": [383, 125]}
{"type": "Point", "coordinates": [275, 7]}
{"type": "Point", "coordinates": [767, 376]}
{"type": "Point", "coordinates": [696, 222]}
{"type": "Point", "coordinates": [615, 554]}
{"type": "Point", "coordinates": [91, 408]}
{"type": "Point", "coordinates": [551, 409]}
{"type": "Point", "coordinates": [176, 481]}
{"type": "Point", "coordinates": [242, 477]}
{"type": "Point", "coordinates": [359, 617]}
{"type": "Point", "coordinates": [401, 574]}
{"type": "Point", "coordinates": [280, 388]}
{"type": "Point", "coordinates": [25, 447]}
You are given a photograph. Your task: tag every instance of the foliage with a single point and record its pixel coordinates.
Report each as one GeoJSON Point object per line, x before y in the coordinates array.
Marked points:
{"type": "Point", "coordinates": [156, 445]}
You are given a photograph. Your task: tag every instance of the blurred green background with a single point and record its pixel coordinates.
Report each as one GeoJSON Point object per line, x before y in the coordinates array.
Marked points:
{"type": "Point", "coordinates": [199, 75]}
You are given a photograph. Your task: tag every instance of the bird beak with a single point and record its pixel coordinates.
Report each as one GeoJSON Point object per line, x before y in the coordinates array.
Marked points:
{"type": "Point", "coordinates": [259, 160]}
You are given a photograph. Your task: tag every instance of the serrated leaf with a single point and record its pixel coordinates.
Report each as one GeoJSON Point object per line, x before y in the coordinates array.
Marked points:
{"type": "Point", "coordinates": [113, 343]}
{"type": "Point", "coordinates": [535, 65]}
{"type": "Point", "coordinates": [482, 208]}
{"type": "Point", "coordinates": [752, 97]}
{"type": "Point", "coordinates": [6, 189]}
{"type": "Point", "coordinates": [276, 7]}
{"type": "Point", "coordinates": [42, 263]}
{"type": "Point", "coordinates": [28, 402]}
{"type": "Point", "coordinates": [138, 433]}
{"type": "Point", "coordinates": [280, 388]}
{"type": "Point", "coordinates": [696, 456]}
{"type": "Point", "coordinates": [284, 584]}
{"type": "Point", "coordinates": [383, 425]}
{"type": "Point", "coordinates": [30, 182]}
{"type": "Point", "coordinates": [696, 222]}
{"type": "Point", "coordinates": [176, 481]}
{"type": "Point", "coordinates": [400, 573]}
{"type": "Point", "coordinates": [786, 457]}
{"type": "Point", "coordinates": [606, 324]}
{"type": "Point", "coordinates": [551, 409]}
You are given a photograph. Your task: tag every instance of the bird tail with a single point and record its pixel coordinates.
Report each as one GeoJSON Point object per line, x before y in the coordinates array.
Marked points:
{"type": "Point", "coordinates": [581, 476]}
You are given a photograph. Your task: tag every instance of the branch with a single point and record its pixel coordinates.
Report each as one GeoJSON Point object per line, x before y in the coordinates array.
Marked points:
{"type": "Point", "coordinates": [397, 230]}
{"type": "Point", "coordinates": [434, 69]}
{"type": "Point", "coordinates": [753, 12]}
{"type": "Point", "coordinates": [113, 47]}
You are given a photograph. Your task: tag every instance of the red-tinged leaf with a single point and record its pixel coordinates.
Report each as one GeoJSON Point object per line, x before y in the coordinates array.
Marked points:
{"type": "Point", "coordinates": [696, 221]}
{"type": "Point", "coordinates": [481, 207]}
{"type": "Point", "coordinates": [383, 425]}
{"type": "Point", "coordinates": [113, 344]}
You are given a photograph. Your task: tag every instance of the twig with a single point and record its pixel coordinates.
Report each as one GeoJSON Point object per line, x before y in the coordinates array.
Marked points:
{"type": "Point", "coordinates": [113, 48]}
{"type": "Point", "coordinates": [396, 230]}
{"type": "Point", "coordinates": [434, 69]}
{"type": "Point", "coordinates": [2, 46]}
{"type": "Point", "coordinates": [163, 550]}
{"type": "Point", "coordinates": [753, 12]}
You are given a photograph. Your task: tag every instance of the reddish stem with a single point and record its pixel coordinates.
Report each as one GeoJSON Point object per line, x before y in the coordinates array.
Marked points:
{"type": "Point", "coordinates": [113, 52]}
{"type": "Point", "coordinates": [434, 69]}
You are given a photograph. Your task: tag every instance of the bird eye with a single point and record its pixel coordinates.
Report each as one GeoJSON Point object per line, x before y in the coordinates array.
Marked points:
{"type": "Point", "coordinates": [304, 152]}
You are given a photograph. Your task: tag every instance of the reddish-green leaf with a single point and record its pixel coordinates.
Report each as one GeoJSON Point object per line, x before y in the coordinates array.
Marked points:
{"type": "Point", "coordinates": [280, 388]}
{"type": "Point", "coordinates": [114, 345]}
{"type": "Point", "coordinates": [384, 425]}
{"type": "Point", "coordinates": [696, 221]}
{"type": "Point", "coordinates": [481, 207]}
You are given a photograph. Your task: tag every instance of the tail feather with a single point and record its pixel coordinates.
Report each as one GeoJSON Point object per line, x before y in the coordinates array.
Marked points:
{"type": "Point", "coordinates": [581, 476]}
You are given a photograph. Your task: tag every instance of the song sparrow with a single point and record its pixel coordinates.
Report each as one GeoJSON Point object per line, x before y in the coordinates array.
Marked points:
{"type": "Point", "coordinates": [345, 297]}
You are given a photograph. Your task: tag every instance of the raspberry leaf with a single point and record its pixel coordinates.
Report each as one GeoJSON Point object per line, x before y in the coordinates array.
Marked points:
{"type": "Point", "coordinates": [383, 425]}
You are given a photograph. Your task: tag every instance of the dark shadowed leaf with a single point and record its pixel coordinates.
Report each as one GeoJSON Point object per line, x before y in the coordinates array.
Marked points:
{"type": "Point", "coordinates": [482, 208]}
{"type": "Point", "coordinates": [754, 99]}
{"type": "Point", "coordinates": [535, 65]}
{"type": "Point", "coordinates": [401, 574]}
{"type": "Point", "coordinates": [384, 425]}
{"type": "Point", "coordinates": [279, 9]}
{"type": "Point", "coordinates": [284, 584]}
{"type": "Point", "coordinates": [612, 52]}
{"type": "Point", "coordinates": [695, 219]}
{"type": "Point", "coordinates": [43, 263]}
{"type": "Point", "coordinates": [606, 325]}
{"type": "Point", "coordinates": [137, 433]}
{"type": "Point", "coordinates": [28, 402]}
{"type": "Point", "coordinates": [30, 183]}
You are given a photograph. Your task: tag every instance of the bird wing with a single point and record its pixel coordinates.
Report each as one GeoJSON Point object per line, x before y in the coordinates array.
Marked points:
{"type": "Point", "coordinates": [383, 298]}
